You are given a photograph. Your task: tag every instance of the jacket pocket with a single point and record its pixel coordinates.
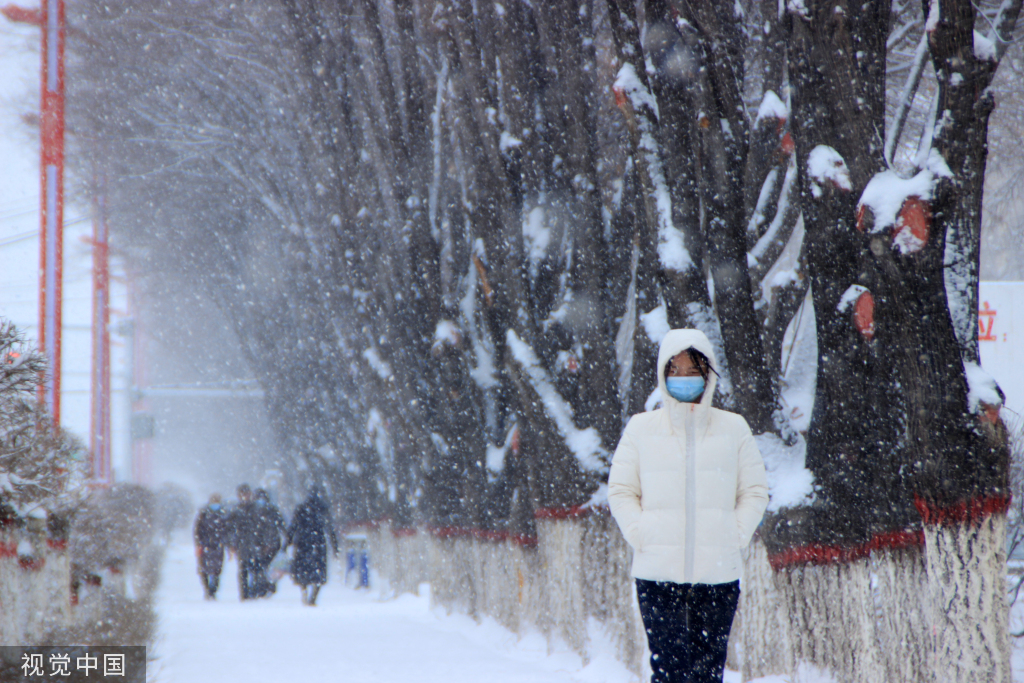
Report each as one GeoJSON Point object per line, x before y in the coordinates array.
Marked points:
{"type": "Point", "coordinates": [738, 532]}
{"type": "Point", "coordinates": [641, 531]}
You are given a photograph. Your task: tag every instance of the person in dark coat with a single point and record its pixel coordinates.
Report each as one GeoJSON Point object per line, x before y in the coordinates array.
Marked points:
{"type": "Point", "coordinates": [310, 528]}
{"type": "Point", "coordinates": [211, 535]}
{"type": "Point", "coordinates": [244, 524]}
{"type": "Point", "coordinates": [270, 529]}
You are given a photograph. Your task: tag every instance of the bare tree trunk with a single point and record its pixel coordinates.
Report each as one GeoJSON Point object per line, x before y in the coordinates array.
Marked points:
{"type": "Point", "coordinates": [903, 614]}
{"type": "Point", "coordinates": [966, 564]}
{"type": "Point", "coordinates": [766, 631]}
{"type": "Point", "coordinates": [830, 606]}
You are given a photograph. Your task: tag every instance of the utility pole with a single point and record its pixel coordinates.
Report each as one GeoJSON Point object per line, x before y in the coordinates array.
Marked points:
{"type": "Point", "coordinates": [51, 236]}
{"type": "Point", "coordinates": [99, 431]}
{"type": "Point", "coordinates": [50, 17]}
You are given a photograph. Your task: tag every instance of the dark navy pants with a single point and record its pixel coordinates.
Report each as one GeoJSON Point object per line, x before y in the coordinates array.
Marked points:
{"type": "Point", "coordinates": [687, 628]}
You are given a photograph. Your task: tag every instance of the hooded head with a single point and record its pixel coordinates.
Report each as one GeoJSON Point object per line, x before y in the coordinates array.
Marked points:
{"type": "Point", "coordinates": [244, 493]}
{"type": "Point", "coordinates": [674, 343]}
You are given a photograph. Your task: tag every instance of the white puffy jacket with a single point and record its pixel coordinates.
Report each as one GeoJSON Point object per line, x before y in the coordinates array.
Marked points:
{"type": "Point", "coordinates": [687, 484]}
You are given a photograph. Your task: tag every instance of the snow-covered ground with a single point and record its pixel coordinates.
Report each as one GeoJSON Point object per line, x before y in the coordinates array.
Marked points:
{"type": "Point", "coordinates": [358, 637]}
{"type": "Point", "coordinates": [350, 635]}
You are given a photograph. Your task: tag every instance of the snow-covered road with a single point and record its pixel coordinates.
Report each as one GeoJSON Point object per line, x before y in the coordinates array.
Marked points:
{"type": "Point", "coordinates": [350, 636]}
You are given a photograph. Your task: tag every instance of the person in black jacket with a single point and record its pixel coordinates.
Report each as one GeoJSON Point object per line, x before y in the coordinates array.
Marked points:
{"type": "Point", "coordinates": [270, 528]}
{"type": "Point", "coordinates": [244, 525]}
{"type": "Point", "coordinates": [211, 534]}
{"type": "Point", "coordinates": [310, 528]}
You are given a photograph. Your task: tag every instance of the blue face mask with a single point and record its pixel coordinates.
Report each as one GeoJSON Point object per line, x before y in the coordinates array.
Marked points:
{"type": "Point", "coordinates": [214, 506]}
{"type": "Point", "coordinates": [685, 389]}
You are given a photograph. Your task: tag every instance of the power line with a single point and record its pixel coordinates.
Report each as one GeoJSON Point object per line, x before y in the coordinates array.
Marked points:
{"type": "Point", "coordinates": [35, 233]}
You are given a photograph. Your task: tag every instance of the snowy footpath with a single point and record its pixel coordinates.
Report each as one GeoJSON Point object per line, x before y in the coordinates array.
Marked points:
{"type": "Point", "coordinates": [356, 637]}
{"type": "Point", "coordinates": [350, 636]}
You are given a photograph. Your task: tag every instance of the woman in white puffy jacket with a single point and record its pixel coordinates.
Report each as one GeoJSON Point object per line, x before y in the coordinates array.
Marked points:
{"type": "Point", "coordinates": [687, 488]}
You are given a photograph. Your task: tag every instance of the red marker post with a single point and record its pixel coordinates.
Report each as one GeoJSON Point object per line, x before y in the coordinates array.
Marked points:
{"type": "Point", "coordinates": [51, 133]}
{"type": "Point", "coordinates": [51, 19]}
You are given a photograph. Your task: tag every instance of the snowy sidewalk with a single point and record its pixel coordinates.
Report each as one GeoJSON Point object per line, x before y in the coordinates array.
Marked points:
{"type": "Point", "coordinates": [349, 636]}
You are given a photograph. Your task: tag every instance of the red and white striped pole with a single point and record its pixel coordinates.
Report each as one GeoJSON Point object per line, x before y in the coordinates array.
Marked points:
{"type": "Point", "coordinates": [51, 129]}
{"type": "Point", "coordinates": [99, 433]}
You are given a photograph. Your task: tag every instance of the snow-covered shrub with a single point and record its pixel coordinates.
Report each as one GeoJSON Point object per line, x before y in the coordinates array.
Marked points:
{"type": "Point", "coordinates": [113, 527]}
{"type": "Point", "coordinates": [41, 468]}
{"type": "Point", "coordinates": [116, 553]}
{"type": "Point", "coordinates": [41, 480]}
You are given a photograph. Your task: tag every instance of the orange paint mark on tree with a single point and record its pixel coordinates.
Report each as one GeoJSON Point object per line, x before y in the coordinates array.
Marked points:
{"type": "Point", "coordinates": [620, 96]}
{"type": "Point", "coordinates": [787, 144]}
{"type": "Point", "coordinates": [988, 413]}
{"type": "Point", "coordinates": [864, 315]}
{"type": "Point", "coordinates": [860, 217]}
{"type": "Point", "coordinates": [915, 216]}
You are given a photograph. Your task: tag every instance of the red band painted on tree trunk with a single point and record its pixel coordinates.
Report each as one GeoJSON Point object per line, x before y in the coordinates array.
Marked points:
{"type": "Point", "coordinates": [561, 513]}
{"type": "Point", "coordinates": [31, 564]}
{"type": "Point", "coordinates": [819, 554]}
{"type": "Point", "coordinates": [965, 512]}
{"type": "Point", "coordinates": [57, 543]}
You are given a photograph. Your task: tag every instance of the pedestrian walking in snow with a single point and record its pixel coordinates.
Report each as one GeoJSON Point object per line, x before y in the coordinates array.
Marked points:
{"type": "Point", "coordinates": [270, 530]}
{"type": "Point", "coordinates": [210, 533]}
{"type": "Point", "coordinates": [244, 526]}
{"type": "Point", "coordinates": [687, 487]}
{"type": "Point", "coordinates": [309, 531]}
